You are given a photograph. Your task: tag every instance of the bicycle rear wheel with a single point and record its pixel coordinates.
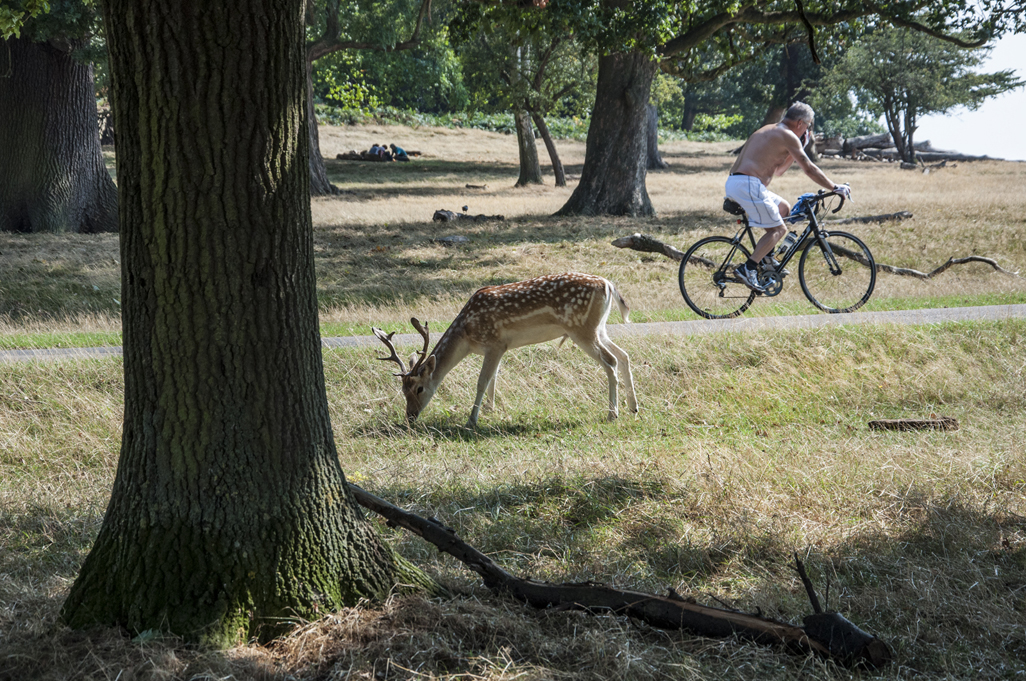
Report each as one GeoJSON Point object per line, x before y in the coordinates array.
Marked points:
{"type": "Point", "coordinates": [707, 280]}
{"type": "Point", "coordinates": [837, 276]}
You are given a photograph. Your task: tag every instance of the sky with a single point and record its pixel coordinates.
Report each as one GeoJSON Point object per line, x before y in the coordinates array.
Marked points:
{"type": "Point", "coordinates": [997, 128]}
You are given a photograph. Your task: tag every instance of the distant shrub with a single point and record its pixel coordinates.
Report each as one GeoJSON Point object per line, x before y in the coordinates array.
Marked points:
{"type": "Point", "coordinates": [568, 127]}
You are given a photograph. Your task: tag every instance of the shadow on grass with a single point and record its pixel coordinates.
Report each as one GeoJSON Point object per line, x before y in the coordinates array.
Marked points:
{"type": "Point", "coordinates": [454, 428]}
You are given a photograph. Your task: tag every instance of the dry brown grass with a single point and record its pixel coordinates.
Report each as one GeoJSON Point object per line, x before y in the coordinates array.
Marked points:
{"type": "Point", "coordinates": [748, 448]}
{"type": "Point", "coordinates": [376, 259]}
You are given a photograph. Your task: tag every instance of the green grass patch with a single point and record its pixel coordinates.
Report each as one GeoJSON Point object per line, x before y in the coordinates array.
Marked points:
{"type": "Point", "coordinates": [747, 449]}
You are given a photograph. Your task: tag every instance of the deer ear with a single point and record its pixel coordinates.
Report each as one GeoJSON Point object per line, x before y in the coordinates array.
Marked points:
{"type": "Point", "coordinates": [429, 365]}
{"type": "Point", "coordinates": [413, 360]}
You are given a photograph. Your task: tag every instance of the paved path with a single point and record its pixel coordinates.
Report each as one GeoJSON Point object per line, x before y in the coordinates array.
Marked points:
{"type": "Point", "coordinates": [702, 326]}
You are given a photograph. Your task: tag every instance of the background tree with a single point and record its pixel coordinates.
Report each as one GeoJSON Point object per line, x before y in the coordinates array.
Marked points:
{"type": "Point", "coordinates": [904, 75]}
{"type": "Point", "coordinates": [52, 174]}
{"type": "Point", "coordinates": [634, 35]}
{"type": "Point", "coordinates": [515, 60]}
{"type": "Point", "coordinates": [230, 515]}
{"type": "Point", "coordinates": [335, 26]}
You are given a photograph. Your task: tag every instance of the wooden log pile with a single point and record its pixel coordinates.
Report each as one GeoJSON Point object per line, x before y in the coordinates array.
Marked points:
{"type": "Point", "coordinates": [881, 148]}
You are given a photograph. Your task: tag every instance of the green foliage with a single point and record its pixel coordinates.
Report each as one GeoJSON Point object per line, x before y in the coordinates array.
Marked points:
{"type": "Point", "coordinates": [428, 78]}
{"type": "Point", "coordinates": [903, 75]}
{"type": "Point", "coordinates": [14, 14]}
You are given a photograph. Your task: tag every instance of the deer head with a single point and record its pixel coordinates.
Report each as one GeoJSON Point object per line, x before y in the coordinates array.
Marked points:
{"type": "Point", "coordinates": [417, 384]}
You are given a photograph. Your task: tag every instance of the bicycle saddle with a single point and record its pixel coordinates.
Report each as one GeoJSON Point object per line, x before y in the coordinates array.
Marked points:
{"type": "Point", "coordinates": [733, 207]}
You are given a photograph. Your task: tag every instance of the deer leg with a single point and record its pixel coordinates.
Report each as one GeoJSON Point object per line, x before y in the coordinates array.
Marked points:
{"type": "Point", "coordinates": [489, 403]}
{"type": "Point", "coordinates": [624, 367]}
{"type": "Point", "coordinates": [597, 351]}
{"type": "Point", "coordinates": [489, 368]}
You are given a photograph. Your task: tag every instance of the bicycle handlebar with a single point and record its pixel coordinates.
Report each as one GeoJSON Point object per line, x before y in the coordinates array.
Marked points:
{"type": "Point", "coordinates": [824, 195]}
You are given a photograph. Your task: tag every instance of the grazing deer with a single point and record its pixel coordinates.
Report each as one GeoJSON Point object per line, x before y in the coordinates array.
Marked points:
{"type": "Point", "coordinates": [498, 318]}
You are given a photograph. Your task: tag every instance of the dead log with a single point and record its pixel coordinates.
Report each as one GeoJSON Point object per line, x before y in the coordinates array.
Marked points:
{"type": "Point", "coordinates": [450, 216]}
{"type": "Point", "coordinates": [925, 156]}
{"type": "Point", "coordinates": [941, 423]}
{"type": "Point", "coordinates": [645, 243]}
{"type": "Point", "coordinates": [477, 186]}
{"type": "Point", "coordinates": [900, 215]}
{"type": "Point", "coordinates": [881, 141]}
{"type": "Point", "coordinates": [669, 612]}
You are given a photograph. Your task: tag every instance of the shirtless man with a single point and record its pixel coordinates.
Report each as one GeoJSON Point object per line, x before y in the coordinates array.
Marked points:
{"type": "Point", "coordinates": [768, 153]}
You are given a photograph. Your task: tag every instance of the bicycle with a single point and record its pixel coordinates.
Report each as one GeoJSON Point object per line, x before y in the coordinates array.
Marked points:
{"type": "Point", "coordinates": [836, 270]}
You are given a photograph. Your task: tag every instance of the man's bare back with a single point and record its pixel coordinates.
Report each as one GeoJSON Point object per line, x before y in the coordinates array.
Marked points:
{"type": "Point", "coordinates": [771, 150]}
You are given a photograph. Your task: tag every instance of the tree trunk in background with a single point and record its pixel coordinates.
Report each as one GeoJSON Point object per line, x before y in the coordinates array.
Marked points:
{"type": "Point", "coordinates": [690, 110]}
{"type": "Point", "coordinates": [655, 160]}
{"type": "Point", "coordinates": [550, 146]}
{"type": "Point", "coordinates": [230, 516]}
{"type": "Point", "coordinates": [530, 169]}
{"type": "Point", "coordinates": [52, 175]}
{"type": "Point", "coordinates": [774, 114]}
{"type": "Point", "coordinates": [616, 155]}
{"type": "Point", "coordinates": [320, 185]}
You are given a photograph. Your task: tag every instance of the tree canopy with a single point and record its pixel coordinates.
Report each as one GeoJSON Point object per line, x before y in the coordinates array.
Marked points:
{"type": "Point", "coordinates": [904, 75]}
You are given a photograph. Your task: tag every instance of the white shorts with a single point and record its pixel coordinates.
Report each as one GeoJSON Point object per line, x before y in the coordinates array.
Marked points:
{"type": "Point", "coordinates": [759, 203]}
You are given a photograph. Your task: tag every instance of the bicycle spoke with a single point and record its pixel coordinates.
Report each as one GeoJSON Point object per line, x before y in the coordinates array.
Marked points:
{"type": "Point", "coordinates": [707, 280]}
{"type": "Point", "coordinates": [838, 275]}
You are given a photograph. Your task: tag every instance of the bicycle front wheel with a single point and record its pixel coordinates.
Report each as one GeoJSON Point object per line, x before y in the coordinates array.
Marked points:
{"type": "Point", "coordinates": [837, 272]}
{"type": "Point", "coordinates": [707, 279]}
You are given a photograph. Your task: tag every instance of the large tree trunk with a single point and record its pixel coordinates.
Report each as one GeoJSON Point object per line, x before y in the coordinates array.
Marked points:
{"type": "Point", "coordinates": [655, 160]}
{"type": "Point", "coordinates": [230, 515]}
{"type": "Point", "coordinates": [52, 175]}
{"type": "Point", "coordinates": [320, 185]}
{"type": "Point", "coordinates": [530, 169]}
{"type": "Point", "coordinates": [550, 146]}
{"type": "Point", "coordinates": [616, 155]}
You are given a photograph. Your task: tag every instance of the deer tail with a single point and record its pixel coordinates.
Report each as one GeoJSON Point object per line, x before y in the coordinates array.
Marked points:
{"type": "Point", "coordinates": [625, 311]}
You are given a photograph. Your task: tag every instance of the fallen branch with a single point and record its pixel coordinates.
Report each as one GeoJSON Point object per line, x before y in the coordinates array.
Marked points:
{"type": "Point", "coordinates": [900, 215]}
{"type": "Point", "coordinates": [642, 242]}
{"type": "Point", "coordinates": [450, 216]}
{"type": "Point", "coordinates": [908, 272]}
{"type": "Point", "coordinates": [840, 640]}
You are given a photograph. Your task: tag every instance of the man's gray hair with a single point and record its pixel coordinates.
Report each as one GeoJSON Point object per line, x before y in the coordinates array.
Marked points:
{"type": "Point", "coordinates": [800, 111]}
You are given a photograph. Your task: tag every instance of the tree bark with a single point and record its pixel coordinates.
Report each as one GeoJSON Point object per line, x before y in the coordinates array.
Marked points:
{"type": "Point", "coordinates": [230, 515]}
{"type": "Point", "coordinates": [616, 155]}
{"type": "Point", "coordinates": [655, 160]}
{"type": "Point", "coordinates": [52, 175]}
{"type": "Point", "coordinates": [530, 169]}
{"type": "Point", "coordinates": [550, 146]}
{"type": "Point", "coordinates": [774, 114]}
{"type": "Point", "coordinates": [320, 185]}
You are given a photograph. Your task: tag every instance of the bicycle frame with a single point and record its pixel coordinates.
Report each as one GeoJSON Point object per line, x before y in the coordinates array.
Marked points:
{"type": "Point", "coordinates": [811, 230]}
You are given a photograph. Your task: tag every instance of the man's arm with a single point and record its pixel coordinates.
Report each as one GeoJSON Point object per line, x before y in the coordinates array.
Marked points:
{"type": "Point", "coordinates": [794, 147]}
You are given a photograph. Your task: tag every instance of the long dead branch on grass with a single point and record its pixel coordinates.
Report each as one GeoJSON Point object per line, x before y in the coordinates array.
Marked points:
{"type": "Point", "coordinates": [826, 634]}
{"type": "Point", "coordinates": [646, 244]}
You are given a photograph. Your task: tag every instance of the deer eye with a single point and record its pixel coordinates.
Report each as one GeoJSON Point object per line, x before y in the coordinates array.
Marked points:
{"type": "Point", "coordinates": [420, 390]}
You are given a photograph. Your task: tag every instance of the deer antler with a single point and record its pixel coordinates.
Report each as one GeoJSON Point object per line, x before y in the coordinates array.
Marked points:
{"type": "Point", "coordinates": [423, 330]}
{"type": "Point", "coordinates": [387, 340]}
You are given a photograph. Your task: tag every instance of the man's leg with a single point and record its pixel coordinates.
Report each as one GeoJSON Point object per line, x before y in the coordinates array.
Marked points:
{"type": "Point", "coordinates": [765, 245]}
{"type": "Point", "coordinates": [773, 234]}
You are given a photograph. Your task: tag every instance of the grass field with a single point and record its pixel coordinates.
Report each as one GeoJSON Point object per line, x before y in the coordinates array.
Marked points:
{"type": "Point", "coordinates": [748, 448]}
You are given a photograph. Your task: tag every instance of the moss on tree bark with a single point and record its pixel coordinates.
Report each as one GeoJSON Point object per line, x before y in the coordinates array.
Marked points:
{"type": "Point", "coordinates": [230, 516]}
